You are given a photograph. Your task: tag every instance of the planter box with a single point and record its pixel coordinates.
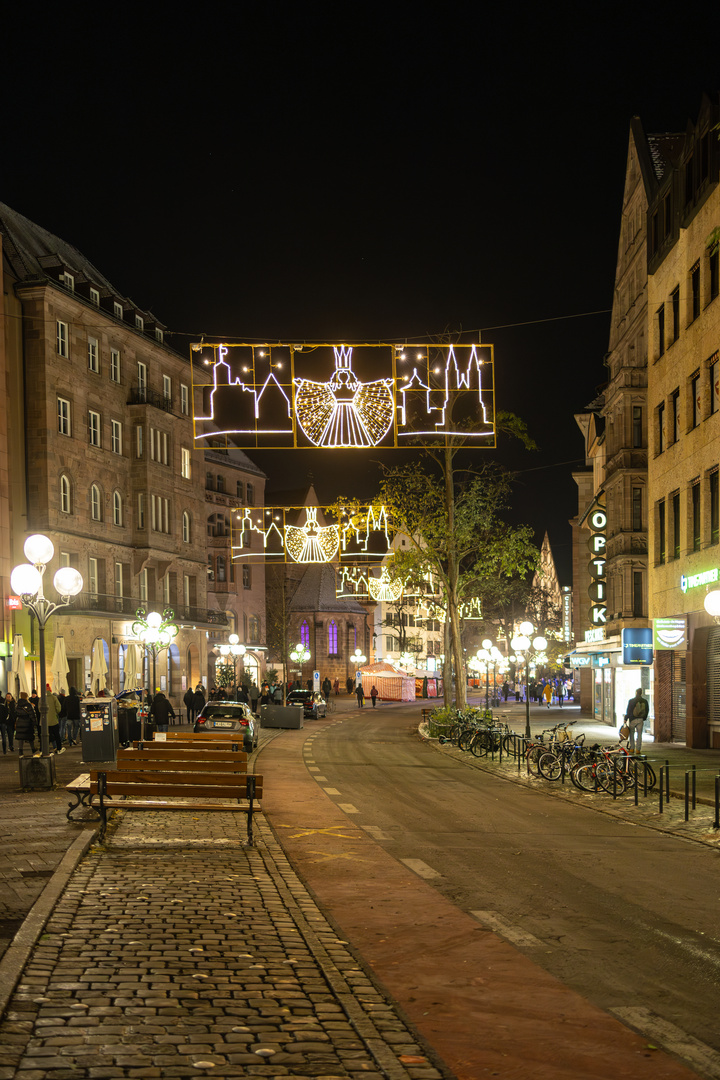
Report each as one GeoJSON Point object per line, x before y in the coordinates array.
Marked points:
{"type": "Point", "coordinates": [281, 716]}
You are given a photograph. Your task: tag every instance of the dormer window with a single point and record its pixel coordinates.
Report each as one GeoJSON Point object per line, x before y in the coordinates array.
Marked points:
{"type": "Point", "coordinates": [117, 310]}
{"type": "Point", "coordinates": [68, 281]}
{"type": "Point", "coordinates": [95, 297]}
{"type": "Point", "coordinates": [158, 334]}
{"type": "Point", "coordinates": [139, 322]}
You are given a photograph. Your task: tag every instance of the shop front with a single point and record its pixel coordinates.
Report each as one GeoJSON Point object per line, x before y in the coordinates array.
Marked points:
{"type": "Point", "coordinates": [608, 671]}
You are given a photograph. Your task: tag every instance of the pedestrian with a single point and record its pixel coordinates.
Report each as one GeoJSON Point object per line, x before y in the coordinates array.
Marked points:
{"type": "Point", "coordinates": [278, 694]}
{"type": "Point", "coordinates": [35, 702]}
{"type": "Point", "coordinates": [265, 697]}
{"type": "Point", "coordinates": [547, 694]}
{"type": "Point", "coordinates": [199, 699]}
{"type": "Point", "coordinates": [506, 689]}
{"type": "Point", "coordinates": [189, 702]}
{"type": "Point", "coordinates": [52, 701]}
{"type": "Point", "coordinates": [161, 710]}
{"type": "Point", "coordinates": [360, 694]}
{"type": "Point", "coordinates": [243, 694]}
{"type": "Point", "coordinates": [636, 714]}
{"type": "Point", "coordinates": [73, 716]}
{"type": "Point", "coordinates": [254, 695]}
{"type": "Point", "coordinates": [4, 720]}
{"type": "Point", "coordinates": [326, 688]}
{"type": "Point", "coordinates": [336, 687]}
{"type": "Point", "coordinates": [349, 684]}
{"type": "Point", "coordinates": [561, 692]}
{"type": "Point", "coordinates": [373, 694]}
{"type": "Point", "coordinates": [25, 724]}
{"type": "Point", "coordinates": [10, 722]}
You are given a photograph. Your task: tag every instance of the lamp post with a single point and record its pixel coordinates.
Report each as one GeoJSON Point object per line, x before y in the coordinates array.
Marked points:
{"type": "Point", "coordinates": [300, 655]}
{"type": "Point", "coordinates": [235, 650]}
{"type": "Point", "coordinates": [156, 632]}
{"type": "Point", "coordinates": [522, 645]}
{"type": "Point", "coordinates": [27, 581]}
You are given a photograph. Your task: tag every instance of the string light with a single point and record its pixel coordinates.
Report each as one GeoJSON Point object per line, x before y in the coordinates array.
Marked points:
{"type": "Point", "coordinates": [385, 589]}
{"type": "Point", "coordinates": [344, 412]}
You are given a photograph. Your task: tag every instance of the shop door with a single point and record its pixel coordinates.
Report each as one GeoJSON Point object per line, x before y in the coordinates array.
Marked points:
{"type": "Point", "coordinates": [677, 684]}
{"type": "Point", "coordinates": [713, 675]}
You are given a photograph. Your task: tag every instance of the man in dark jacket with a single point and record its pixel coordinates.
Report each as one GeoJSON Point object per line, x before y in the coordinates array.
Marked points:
{"type": "Point", "coordinates": [199, 699]}
{"type": "Point", "coordinates": [73, 716]}
{"type": "Point", "coordinates": [24, 723]}
{"type": "Point", "coordinates": [161, 710]}
{"type": "Point", "coordinates": [189, 700]}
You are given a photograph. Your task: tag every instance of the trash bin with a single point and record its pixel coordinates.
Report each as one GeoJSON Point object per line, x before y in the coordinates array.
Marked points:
{"type": "Point", "coordinates": [99, 729]}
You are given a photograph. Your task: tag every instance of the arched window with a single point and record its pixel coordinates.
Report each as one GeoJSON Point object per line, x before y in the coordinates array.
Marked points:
{"type": "Point", "coordinates": [218, 525]}
{"type": "Point", "coordinates": [186, 527]}
{"type": "Point", "coordinates": [332, 639]}
{"type": "Point", "coordinates": [220, 567]}
{"type": "Point", "coordinates": [117, 508]}
{"type": "Point", "coordinates": [65, 495]}
{"type": "Point", "coordinates": [95, 503]}
{"type": "Point", "coordinates": [305, 635]}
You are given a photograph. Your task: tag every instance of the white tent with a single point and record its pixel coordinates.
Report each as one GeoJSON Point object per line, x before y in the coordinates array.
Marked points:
{"type": "Point", "coordinates": [18, 663]}
{"type": "Point", "coordinates": [133, 666]}
{"type": "Point", "coordinates": [59, 668]}
{"type": "Point", "coordinates": [98, 666]}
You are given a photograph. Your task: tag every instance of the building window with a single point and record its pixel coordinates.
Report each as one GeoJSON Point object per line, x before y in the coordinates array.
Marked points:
{"type": "Point", "coordinates": [695, 292]}
{"type": "Point", "coordinates": [714, 508]}
{"type": "Point", "coordinates": [305, 634]}
{"type": "Point", "coordinates": [332, 639]}
{"type": "Point", "coordinates": [138, 440]}
{"type": "Point", "coordinates": [115, 365]}
{"type": "Point", "coordinates": [118, 579]}
{"type": "Point", "coordinates": [714, 274]}
{"type": "Point", "coordinates": [65, 499]}
{"type": "Point", "coordinates": [220, 483]}
{"type": "Point", "coordinates": [240, 490]}
{"type": "Point", "coordinates": [675, 415]}
{"type": "Point", "coordinates": [61, 338]}
{"type": "Point", "coordinates": [220, 567]}
{"type": "Point", "coordinates": [660, 316]}
{"type": "Point", "coordinates": [141, 510]}
{"type": "Point", "coordinates": [209, 481]}
{"type": "Point", "coordinates": [661, 532]}
{"type": "Point", "coordinates": [637, 593]}
{"type": "Point", "coordinates": [167, 389]}
{"type": "Point", "coordinates": [95, 297]}
{"type": "Point", "coordinates": [95, 503]}
{"type": "Point", "coordinates": [185, 463]}
{"type": "Point", "coordinates": [63, 411]}
{"type": "Point", "coordinates": [250, 497]}
{"type": "Point", "coordinates": [637, 509]}
{"type": "Point", "coordinates": [94, 428]}
{"type": "Point", "coordinates": [246, 576]}
{"type": "Point", "coordinates": [116, 437]}
{"type": "Point", "coordinates": [159, 336]}
{"type": "Point", "coordinates": [139, 322]}
{"type": "Point", "coordinates": [695, 402]}
{"type": "Point", "coordinates": [184, 400]}
{"type": "Point", "coordinates": [637, 425]}
{"type": "Point", "coordinates": [253, 630]}
{"type": "Point", "coordinates": [697, 538]}
{"type": "Point", "coordinates": [714, 374]}
{"type": "Point", "coordinates": [143, 582]}
{"type": "Point", "coordinates": [246, 538]}
{"type": "Point", "coordinates": [186, 590]}
{"type": "Point", "coordinates": [675, 304]}
{"type": "Point", "coordinates": [142, 380]}
{"type": "Point", "coordinates": [186, 527]}
{"type": "Point", "coordinates": [676, 524]}
{"type": "Point", "coordinates": [661, 427]}
{"type": "Point", "coordinates": [92, 576]}
{"type": "Point", "coordinates": [117, 310]}
{"type": "Point", "coordinates": [166, 590]}
{"type": "Point", "coordinates": [158, 446]}
{"type": "Point", "coordinates": [93, 355]}
{"type": "Point", "coordinates": [117, 508]}
{"type": "Point", "coordinates": [218, 525]}
{"type": "Point", "coordinates": [159, 514]}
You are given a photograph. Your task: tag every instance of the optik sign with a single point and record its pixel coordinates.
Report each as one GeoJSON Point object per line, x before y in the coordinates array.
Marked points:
{"type": "Point", "coordinates": [598, 588]}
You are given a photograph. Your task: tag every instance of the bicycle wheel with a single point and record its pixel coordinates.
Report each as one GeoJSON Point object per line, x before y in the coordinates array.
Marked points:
{"type": "Point", "coordinates": [550, 766]}
{"type": "Point", "coordinates": [480, 745]}
{"type": "Point", "coordinates": [454, 733]}
{"type": "Point", "coordinates": [584, 778]}
{"type": "Point", "coordinates": [643, 768]}
{"type": "Point", "coordinates": [466, 738]}
{"type": "Point", "coordinates": [610, 779]}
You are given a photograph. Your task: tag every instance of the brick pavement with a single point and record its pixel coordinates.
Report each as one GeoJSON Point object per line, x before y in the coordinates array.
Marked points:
{"type": "Point", "coordinates": [176, 951]}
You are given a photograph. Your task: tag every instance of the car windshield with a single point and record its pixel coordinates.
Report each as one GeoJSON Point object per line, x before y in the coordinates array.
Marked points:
{"type": "Point", "coordinates": [301, 694]}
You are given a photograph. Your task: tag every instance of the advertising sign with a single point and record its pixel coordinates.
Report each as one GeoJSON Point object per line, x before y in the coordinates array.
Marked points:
{"type": "Point", "coordinates": [670, 633]}
{"type": "Point", "coordinates": [637, 646]}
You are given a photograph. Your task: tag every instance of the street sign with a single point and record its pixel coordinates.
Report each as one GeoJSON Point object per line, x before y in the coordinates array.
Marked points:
{"type": "Point", "coordinates": [316, 680]}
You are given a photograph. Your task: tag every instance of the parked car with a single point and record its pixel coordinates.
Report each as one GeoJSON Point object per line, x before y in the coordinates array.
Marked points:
{"type": "Point", "coordinates": [312, 702]}
{"type": "Point", "coordinates": [227, 718]}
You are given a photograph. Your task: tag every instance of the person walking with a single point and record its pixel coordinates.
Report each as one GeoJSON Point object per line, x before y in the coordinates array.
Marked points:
{"type": "Point", "coordinates": [547, 694]}
{"type": "Point", "coordinates": [373, 694]}
{"type": "Point", "coordinates": [254, 695]}
{"type": "Point", "coordinates": [560, 692]}
{"type": "Point", "coordinates": [52, 702]}
{"type": "Point", "coordinates": [199, 699]}
{"type": "Point", "coordinates": [35, 702]}
{"type": "Point", "coordinates": [10, 722]}
{"type": "Point", "coordinates": [5, 734]}
{"type": "Point", "coordinates": [189, 702]}
{"type": "Point", "coordinates": [336, 687]}
{"type": "Point", "coordinates": [161, 710]}
{"type": "Point", "coordinates": [25, 724]}
{"type": "Point", "coordinates": [326, 688]}
{"type": "Point", "coordinates": [73, 716]}
{"type": "Point", "coordinates": [636, 714]}
{"type": "Point", "coordinates": [360, 694]}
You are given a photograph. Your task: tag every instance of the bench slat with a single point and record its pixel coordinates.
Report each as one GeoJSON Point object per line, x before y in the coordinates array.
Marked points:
{"type": "Point", "coordinates": [160, 804]}
{"type": "Point", "coordinates": [176, 789]}
{"type": "Point", "coordinates": [177, 764]}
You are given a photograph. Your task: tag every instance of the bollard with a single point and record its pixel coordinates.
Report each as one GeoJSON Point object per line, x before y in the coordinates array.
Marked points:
{"type": "Point", "coordinates": [634, 766]}
{"type": "Point", "coordinates": [645, 772]}
{"type": "Point", "coordinates": [687, 794]}
{"type": "Point", "coordinates": [660, 786]}
{"type": "Point", "coordinates": [615, 777]}
{"type": "Point", "coordinates": [716, 822]}
{"type": "Point", "coordinates": [694, 787]}
{"type": "Point", "coordinates": [667, 782]}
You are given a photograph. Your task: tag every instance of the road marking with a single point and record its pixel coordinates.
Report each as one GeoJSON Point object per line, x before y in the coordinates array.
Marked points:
{"type": "Point", "coordinates": [337, 855]}
{"type": "Point", "coordinates": [507, 930]}
{"type": "Point", "coordinates": [348, 808]}
{"type": "Point", "coordinates": [322, 779]}
{"type": "Point", "coordinates": [420, 868]}
{"type": "Point", "coordinates": [320, 832]}
{"type": "Point", "coordinates": [375, 831]}
{"type": "Point", "coordinates": [695, 1053]}
{"type": "Point", "coordinates": [331, 791]}
{"type": "Point", "coordinates": [313, 768]}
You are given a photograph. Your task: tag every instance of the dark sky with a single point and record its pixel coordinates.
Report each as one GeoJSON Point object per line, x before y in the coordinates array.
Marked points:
{"type": "Point", "coordinates": [358, 172]}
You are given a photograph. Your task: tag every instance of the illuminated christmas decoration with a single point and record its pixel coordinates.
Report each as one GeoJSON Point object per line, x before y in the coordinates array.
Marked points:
{"type": "Point", "coordinates": [312, 543]}
{"type": "Point", "coordinates": [279, 396]}
{"type": "Point", "coordinates": [470, 609]}
{"type": "Point", "coordinates": [352, 582]}
{"type": "Point", "coordinates": [344, 412]}
{"type": "Point", "coordinates": [385, 588]}
{"type": "Point", "coordinates": [268, 534]}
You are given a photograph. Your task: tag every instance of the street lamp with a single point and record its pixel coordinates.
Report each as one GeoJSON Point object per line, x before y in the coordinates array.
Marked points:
{"type": "Point", "coordinates": [156, 632]}
{"type": "Point", "coordinates": [522, 645]}
{"type": "Point", "coordinates": [27, 581]}
{"type": "Point", "coordinates": [235, 650]}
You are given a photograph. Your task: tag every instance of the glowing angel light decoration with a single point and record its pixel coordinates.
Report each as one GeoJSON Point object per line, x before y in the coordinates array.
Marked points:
{"type": "Point", "coordinates": [344, 412]}
{"type": "Point", "coordinates": [470, 609]}
{"type": "Point", "coordinates": [312, 543]}
{"type": "Point", "coordinates": [385, 588]}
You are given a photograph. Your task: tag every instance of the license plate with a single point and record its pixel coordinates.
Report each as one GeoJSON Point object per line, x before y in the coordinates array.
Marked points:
{"type": "Point", "coordinates": [223, 723]}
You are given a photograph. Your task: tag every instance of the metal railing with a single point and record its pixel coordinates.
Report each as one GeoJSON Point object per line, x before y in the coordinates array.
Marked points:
{"type": "Point", "coordinates": [143, 395]}
{"type": "Point", "coordinates": [108, 604]}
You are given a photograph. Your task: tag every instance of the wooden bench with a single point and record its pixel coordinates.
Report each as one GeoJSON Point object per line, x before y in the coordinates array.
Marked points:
{"type": "Point", "coordinates": [79, 788]}
{"type": "Point", "coordinates": [170, 776]}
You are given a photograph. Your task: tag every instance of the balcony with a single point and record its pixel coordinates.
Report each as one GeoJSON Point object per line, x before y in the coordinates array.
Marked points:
{"type": "Point", "coordinates": [143, 395]}
{"type": "Point", "coordinates": [106, 604]}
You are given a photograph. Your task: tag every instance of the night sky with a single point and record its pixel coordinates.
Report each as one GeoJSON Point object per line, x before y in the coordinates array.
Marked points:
{"type": "Point", "coordinates": [358, 172]}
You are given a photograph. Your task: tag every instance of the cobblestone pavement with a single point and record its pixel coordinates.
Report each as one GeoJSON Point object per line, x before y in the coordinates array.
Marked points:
{"type": "Point", "coordinates": [175, 951]}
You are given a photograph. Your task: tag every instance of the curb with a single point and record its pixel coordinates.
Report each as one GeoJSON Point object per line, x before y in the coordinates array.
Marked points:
{"type": "Point", "coordinates": [18, 952]}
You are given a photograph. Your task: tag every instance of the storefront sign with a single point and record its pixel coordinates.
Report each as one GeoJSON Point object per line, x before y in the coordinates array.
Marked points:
{"type": "Point", "coordinates": [596, 543]}
{"type": "Point", "coordinates": [595, 635]}
{"type": "Point", "coordinates": [580, 661]}
{"type": "Point", "coordinates": [14, 603]}
{"type": "Point", "coordinates": [691, 581]}
{"type": "Point", "coordinates": [670, 633]}
{"type": "Point", "coordinates": [637, 645]}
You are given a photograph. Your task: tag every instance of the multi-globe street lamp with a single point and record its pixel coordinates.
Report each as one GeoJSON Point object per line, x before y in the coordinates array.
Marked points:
{"type": "Point", "coordinates": [156, 632]}
{"type": "Point", "coordinates": [27, 581]}
{"type": "Point", "coordinates": [523, 646]}
{"type": "Point", "coordinates": [235, 651]}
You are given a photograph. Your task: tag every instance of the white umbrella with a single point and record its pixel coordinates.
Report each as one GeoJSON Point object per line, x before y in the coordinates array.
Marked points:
{"type": "Point", "coordinates": [59, 668]}
{"type": "Point", "coordinates": [133, 666]}
{"type": "Point", "coordinates": [18, 663]}
{"type": "Point", "coordinates": [98, 667]}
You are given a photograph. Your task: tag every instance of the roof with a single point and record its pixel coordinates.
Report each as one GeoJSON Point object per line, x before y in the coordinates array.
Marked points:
{"type": "Point", "coordinates": [316, 592]}
{"type": "Point", "coordinates": [28, 248]}
{"type": "Point", "coordinates": [234, 459]}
